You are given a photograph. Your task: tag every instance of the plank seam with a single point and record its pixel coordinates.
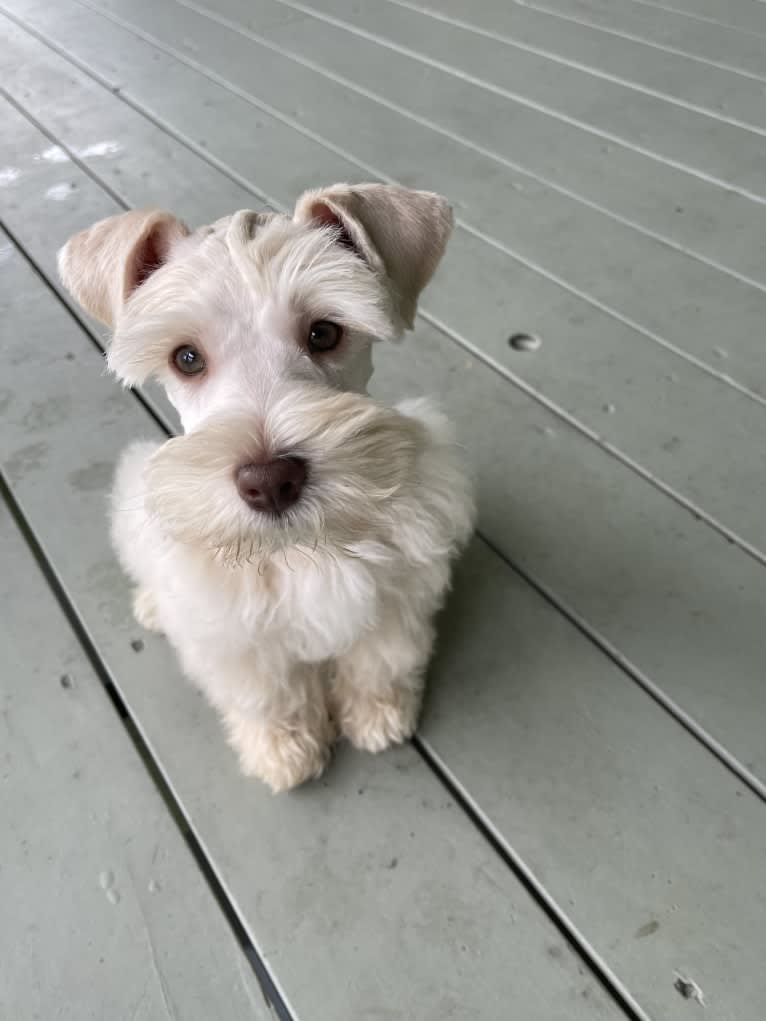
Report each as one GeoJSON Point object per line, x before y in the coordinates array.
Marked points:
{"type": "Point", "coordinates": [267, 984]}
{"type": "Point", "coordinates": [124, 97]}
{"type": "Point", "coordinates": [347, 83]}
{"type": "Point", "coordinates": [698, 17]}
{"type": "Point", "coordinates": [152, 410]}
{"type": "Point", "coordinates": [497, 157]}
{"type": "Point", "coordinates": [561, 189]}
{"type": "Point", "coordinates": [698, 513]}
{"type": "Point", "coordinates": [526, 877]}
{"type": "Point", "coordinates": [630, 37]}
{"type": "Point", "coordinates": [71, 154]}
{"type": "Point", "coordinates": [511, 43]}
{"type": "Point", "coordinates": [653, 690]}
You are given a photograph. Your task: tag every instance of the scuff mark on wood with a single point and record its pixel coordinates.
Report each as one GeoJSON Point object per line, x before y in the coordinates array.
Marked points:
{"type": "Point", "coordinates": [688, 988]}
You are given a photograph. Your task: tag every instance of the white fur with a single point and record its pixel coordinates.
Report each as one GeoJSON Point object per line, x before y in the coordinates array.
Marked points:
{"type": "Point", "coordinates": [321, 620]}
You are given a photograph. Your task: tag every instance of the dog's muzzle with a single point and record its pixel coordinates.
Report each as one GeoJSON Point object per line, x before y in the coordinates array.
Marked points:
{"type": "Point", "coordinates": [319, 466]}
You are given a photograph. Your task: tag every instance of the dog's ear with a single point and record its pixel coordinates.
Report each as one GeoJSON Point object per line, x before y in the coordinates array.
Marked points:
{"type": "Point", "coordinates": [103, 265]}
{"type": "Point", "coordinates": [398, 232]}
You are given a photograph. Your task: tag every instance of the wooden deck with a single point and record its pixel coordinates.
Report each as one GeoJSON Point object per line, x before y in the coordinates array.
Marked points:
{"type": "Point", "coordinates": [578, 832]}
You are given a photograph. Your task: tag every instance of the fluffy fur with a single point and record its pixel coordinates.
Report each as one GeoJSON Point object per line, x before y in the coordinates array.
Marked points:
{"type": "Point", "coordinates": [318, 621]}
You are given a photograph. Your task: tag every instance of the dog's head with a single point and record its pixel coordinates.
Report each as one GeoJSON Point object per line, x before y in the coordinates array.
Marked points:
{"type": "Point", "coordinates": [254, 325]}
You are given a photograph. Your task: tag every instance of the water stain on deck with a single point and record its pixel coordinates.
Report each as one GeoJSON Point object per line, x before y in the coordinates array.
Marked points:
{"type": "Point", "coordinates": [47, 414]}
{"type": "Point", "coordinates": [26, 459]}
{"type": "Point", "coordinates": [94, 477]}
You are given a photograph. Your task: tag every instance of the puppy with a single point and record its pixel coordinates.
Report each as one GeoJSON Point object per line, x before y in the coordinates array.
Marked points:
{"type": "Point", "coordinates": [295, 542]}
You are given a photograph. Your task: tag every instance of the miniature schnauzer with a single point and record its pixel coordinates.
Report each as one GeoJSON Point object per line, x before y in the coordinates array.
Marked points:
{"type": "Point", "coordinates": [295, 542]}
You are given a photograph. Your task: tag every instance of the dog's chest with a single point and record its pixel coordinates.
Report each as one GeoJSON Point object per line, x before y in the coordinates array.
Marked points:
{"type": "Point", "coordinates": [314, 606]}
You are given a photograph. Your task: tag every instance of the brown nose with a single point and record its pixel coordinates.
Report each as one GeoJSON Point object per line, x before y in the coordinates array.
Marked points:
{"type": "Point", "coordinates": [273, 486]}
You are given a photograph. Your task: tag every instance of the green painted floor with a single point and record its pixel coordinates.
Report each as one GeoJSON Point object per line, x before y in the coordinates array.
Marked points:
{"type": "Point", "coordinates": [578, 831]}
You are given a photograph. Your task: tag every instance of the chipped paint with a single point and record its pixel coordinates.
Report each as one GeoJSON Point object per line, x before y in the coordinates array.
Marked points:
{"type": "Point", "coordinates": [53, 154]}
{"type": "Point", "coordinates": [60, 192]}
{"type": "Point", "coordinates": [9, 175]}
{"type": "Point", "coordinates": [107, 148]}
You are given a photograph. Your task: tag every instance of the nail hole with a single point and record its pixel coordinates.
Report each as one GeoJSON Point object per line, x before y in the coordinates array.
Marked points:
{"type": "Point", "coordinates": [524, 342]}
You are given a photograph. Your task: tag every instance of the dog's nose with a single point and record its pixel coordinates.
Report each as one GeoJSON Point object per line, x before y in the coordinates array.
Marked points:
{"type": "Point", "coordinates": [273, 486]}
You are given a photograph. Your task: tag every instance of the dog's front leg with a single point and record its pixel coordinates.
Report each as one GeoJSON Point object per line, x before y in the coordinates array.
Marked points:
{"type": "Point", "coordinates": [278, 725]}
{"type": "Point", "coordinates": [377, 686]}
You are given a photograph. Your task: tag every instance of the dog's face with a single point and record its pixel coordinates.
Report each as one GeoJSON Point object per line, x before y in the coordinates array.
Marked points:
{"type": "Point", "coordinates": [253, 325]}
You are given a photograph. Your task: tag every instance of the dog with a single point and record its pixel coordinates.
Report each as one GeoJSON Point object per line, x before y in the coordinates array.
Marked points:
{"type": "Point", "coordinates": [295, 542]}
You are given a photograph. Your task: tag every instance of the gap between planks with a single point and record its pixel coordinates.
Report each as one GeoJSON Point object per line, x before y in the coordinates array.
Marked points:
{"type": "Point", "coordinates": [698, 17]}
{"type": "Point", "coordinates": [590, 25]}
{"type": "Point", "coordinates": [489, 153]}
{"type": "Point", "coordinates": [511, 43]}
{"type": "Point", "coordinates": [505, 93]}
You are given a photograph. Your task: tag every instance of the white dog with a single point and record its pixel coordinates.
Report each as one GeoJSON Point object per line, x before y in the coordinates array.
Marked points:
{"type": "Point", "coordinates": [294, 543]}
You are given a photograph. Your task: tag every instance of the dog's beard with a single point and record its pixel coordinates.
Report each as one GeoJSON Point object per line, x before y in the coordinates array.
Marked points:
{"type": "Point", "coordinates": [360, 458]}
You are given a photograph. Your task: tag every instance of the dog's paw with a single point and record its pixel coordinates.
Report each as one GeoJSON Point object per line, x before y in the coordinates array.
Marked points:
{"type": "Point", "coordinates": [372, 722]}
{"type": "Point", "coordinates": [280, 756]}
{"type": "Point", "coordinates": [145, 610]}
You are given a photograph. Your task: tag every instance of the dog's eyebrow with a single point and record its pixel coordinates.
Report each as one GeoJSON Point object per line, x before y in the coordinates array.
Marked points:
{"type": "Point", "coordinates": [240, 233]}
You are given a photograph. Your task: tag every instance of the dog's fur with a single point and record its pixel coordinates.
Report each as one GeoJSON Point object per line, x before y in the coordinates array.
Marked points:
{"type": "Point", "coordinates": [321, 619]}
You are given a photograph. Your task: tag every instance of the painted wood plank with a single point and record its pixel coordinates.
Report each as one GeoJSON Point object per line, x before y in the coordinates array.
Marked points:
{"type": "Point", "coordinates": [743, 15]}
{"type": "Point", "coordinates": [608, 263]}
{"type": "Point", "coordinates": [718, 226]}
{"type": "Point", "coordinates": [564, 728]}
{"type": "Point", "coordinates": [103, 134]}
{"type": "Point", "coordinates": [688, 610]}
{"type": "Point", "coordinates": [668, 29]}
{"type": "Point", "coordinates": [509, 41]}
{"type": "Point", "coordinates": [639, 277]}
{"type": "Point", "coordinates": [618, 114]}
{"type": "Point", "coordinates": [662, 959]}
{"type": "Point", "coordinates": [111, 139]}
{"type": "Point", "coordinates": [673, 441]}
{"type": "Point", "coordinates": [369, 894]}
{"type": "Point", "coordinates": [689, 78]}
{"type": "Point", "coordinates": [105, 913]}
{"type": "Point", "coordinates": [507, 132]}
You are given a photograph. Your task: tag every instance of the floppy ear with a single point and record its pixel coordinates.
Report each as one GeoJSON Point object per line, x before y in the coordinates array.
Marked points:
{"type": "Point", "coordinates": [101, 266]}
{"type": "Point", "coordinates": [400, 233]}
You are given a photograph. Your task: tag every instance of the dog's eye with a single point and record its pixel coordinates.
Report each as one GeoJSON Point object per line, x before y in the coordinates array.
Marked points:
{"type": "Point", "coordinates": [324, 336]}
{"type": "Point", "coordinates": [188, 360]}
